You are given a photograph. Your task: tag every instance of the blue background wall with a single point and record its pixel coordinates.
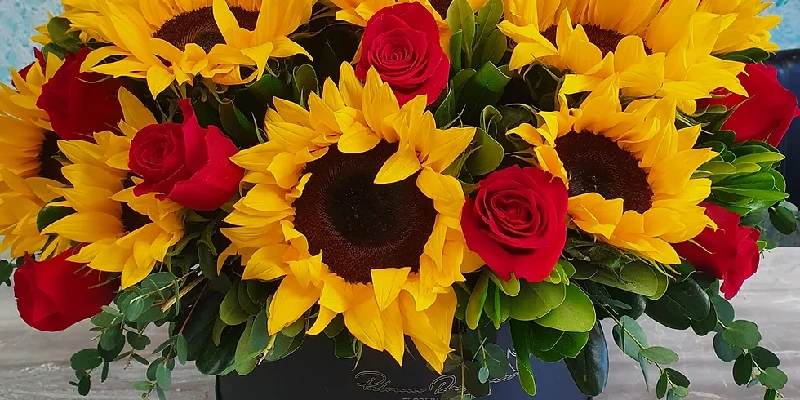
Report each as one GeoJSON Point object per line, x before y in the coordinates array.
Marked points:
{"type": "Point", "coordinates": [19, 17]}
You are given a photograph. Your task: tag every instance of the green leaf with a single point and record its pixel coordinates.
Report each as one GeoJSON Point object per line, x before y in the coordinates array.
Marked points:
{"type": "Point", "coordinates": [575, 314]}
{"type": "Point", "coordinates": [510, 287]}
{"type": "Point", "coordinates": [535, 300]}
{"type": "Point", "coordinates": [142, 386]}
{"type": "Point", "coordinates": [707, 324]}
{"type": "Point", "coordinates": [460, 17]}
{"type": "Point", "coordinates": [105, 320]}
{"type": "Point", "coordinates": [773, 378]}
{"type": "Point", "coordinates": [743, 369]}
{"type": "Point", "coordinates": [259, 334]}
{"type": "Point", "coordinates": [59, 31]}
{"type": "Point", "coordinates": [85, 385]}
{"type": "Point", "coordinates": [771, 394]}
{"type": "Point", "coordinates": [725, 351]}
{"type": "Point", "coordinates": [456, 41]}
{"type": "Point", "coordinates": [481, 90]}
{"type": "Point", "coordinates": [111, 338]}
{"type": "Point", "coordinates": [49, 214]}
{"type": "Point", "coordinates": [488, 18]}
{"type": "Point", "coordinates": [743, 334]}
{"type": "Point", "coordinates": [764, 358]}
{"type": "Point", "coordinates": [160, 286]}
{"type": "Point", "coordinates": [266, 88]}
{"type": "Point", "coordinates": [488, 155]}
{"type": "Point", "coordinates": [683, 302]}
{"type": "Point", "coordinates": [6, 270]}
{"type": "Point", "coordinates": [163, 376]}
{"type": "Point", "coordinates": [662, 384]}
{"type": "Point", "coordinates": [677, 392]}
{"type": "Point", "coordinates": [749, 56]}
{"type": "Point", "coordinates": [494, 358]}
{"type": "Point", "coordinates": [238, 126]}
{"type": "Point", "coordinates": [483, 375]}
{"type": "Point", "coordinates": [345, 346]}
{"type": "Point", "coordinates": [247, 304]}
{"type": "Point", "coordinates": [636, 277]}
{"type": "Point", "coordinates": [766, 195]}
{"type": "Point", "coordinates": [723, 308]}
{"type": "Point", "coordinates": [477, 300]}
{"type": "Point", "coordinates": [783, 219]}
{"type": "Point", "coordinates": [213, 360]}
{"type": "Point", "coordinates": [245, 358]}
{"type": "Point", "coordinates": [137, 341]}
{"type": "Point", "coordinates": [660, 355]}
{"type": "Point", "coordinates": [231, 311]}
{"type": "Point", "coordinates": [490, 49]}
{"type": "Point", "coordinates": [624, 335]}
{"type": "Point", "coordinates": [181, 348]}
{"type": "Point", "coordinates": [305, 82]}
{"type": "Point", "coordinates": [589, 369]}
{"type": "Point", "coordinates": [283, 346]}
{"type": "Point", "coordinates": [295, 328]}
{"type": "Point", "coordinates": [519, 337]}
{"type": "Point", "coordinates": [86, 360]}
{"type": "Point", "coordinates": [677, 378]}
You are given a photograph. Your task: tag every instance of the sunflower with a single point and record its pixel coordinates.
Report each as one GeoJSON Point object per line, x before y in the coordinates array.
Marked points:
{"type": "Point", "coordinates": [28, 169]}
{"type": "Point", "coordinates": [122, 232]}
{"type": "Point", "coordinates": [663, 51]}
{"type": "Point", "coordinates": [748, 28]}
{"type": "Point", "coordinates": [350, 208]}
{"type": "Point", "coordinates": [629, 172]}
{"type": "Point", "coordinates": [175, 41]}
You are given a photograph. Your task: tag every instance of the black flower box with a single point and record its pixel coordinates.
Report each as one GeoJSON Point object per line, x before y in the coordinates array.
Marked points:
{"type": "Point", "coordinates": [313, 372]}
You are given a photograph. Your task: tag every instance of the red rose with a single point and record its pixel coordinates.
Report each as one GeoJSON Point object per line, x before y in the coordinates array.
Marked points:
{"type": "Point", "coordinates": [517, 222]}
{"type": "Point", "coordinates": [39, 58]}
{"type": "Point", "coordinates": [730, 253]}
{"type": "Point", "coordinates": [80, 104]}
{"type": "Point", "coordinates": [402, 43]}
{"type": "Point", "coordinates": [55, 294]}
{"type": "Point", "coordinates": [186, 163]}
{"type": "Point", "coordinates": [766, 114]}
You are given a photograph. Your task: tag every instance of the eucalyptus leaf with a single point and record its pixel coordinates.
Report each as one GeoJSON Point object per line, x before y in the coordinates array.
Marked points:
{"type": "Point", "coordinates": [575, 314]}
{"type": "Point", "coordinates": [589, 369]}
{"type": "Point", "coordinates": [535, 300]}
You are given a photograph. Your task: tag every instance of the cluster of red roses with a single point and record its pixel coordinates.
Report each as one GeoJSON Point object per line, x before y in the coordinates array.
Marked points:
{"type": "Point", "coordinates": [184, 162]}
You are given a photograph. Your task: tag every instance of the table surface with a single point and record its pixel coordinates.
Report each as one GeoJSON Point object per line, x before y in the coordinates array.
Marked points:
{"type": "Point", "coordinates": [35, 365]}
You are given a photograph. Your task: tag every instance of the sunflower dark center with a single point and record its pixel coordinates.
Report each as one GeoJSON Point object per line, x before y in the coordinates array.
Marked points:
{"type": "Point", "coordinates": [441, 6]}
{"type": "Point", "coordinates": [131, 219]}
{"type": "Point", "coordinates": [200, 27]}
{"type": "Point", "coordinates": [605, 39]}
{"type": "Point", "coordinates": [49, 166]}
{"type": "Point", "coordinates": [358, 225]}
{"type": "Point", "coordinates": [596, 164]}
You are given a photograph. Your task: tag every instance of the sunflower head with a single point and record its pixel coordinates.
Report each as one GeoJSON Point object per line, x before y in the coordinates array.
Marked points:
{"type": "Point", "coordinates": [629, 172]}
{"type": "Point", "coordinates": [123, 233]}
{"type": "Point", "coordinates": [29, 170]}
{"type": "Point", "coordinates": [350, 208]}
{"type": "Point", "coordinates": [662, 51]}
{"type": "Point", "coordinates": [178, 41]}
{"type": "Point", "coordinates": [748, 28]}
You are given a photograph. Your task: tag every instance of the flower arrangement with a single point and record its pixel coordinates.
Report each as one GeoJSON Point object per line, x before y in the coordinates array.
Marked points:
{"type": "Point", "coordinates": [400, 176]}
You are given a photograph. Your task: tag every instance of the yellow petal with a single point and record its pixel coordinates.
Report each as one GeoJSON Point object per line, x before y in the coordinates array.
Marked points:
{"type": "Point", "coordinates": [363, 319]}
{"type": "Point", "coordinates": [323, 320]}
{"type": "Point", "coordinates": [289, 303]}
{"type": "Point", "coordinates": [87, 227]}
{"type": "Point", "coordinates": [393, 338]}
{"type": "Point", "coordinates": [387, 283]}
{"type": "Point", "coordinates": [398, 167]}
